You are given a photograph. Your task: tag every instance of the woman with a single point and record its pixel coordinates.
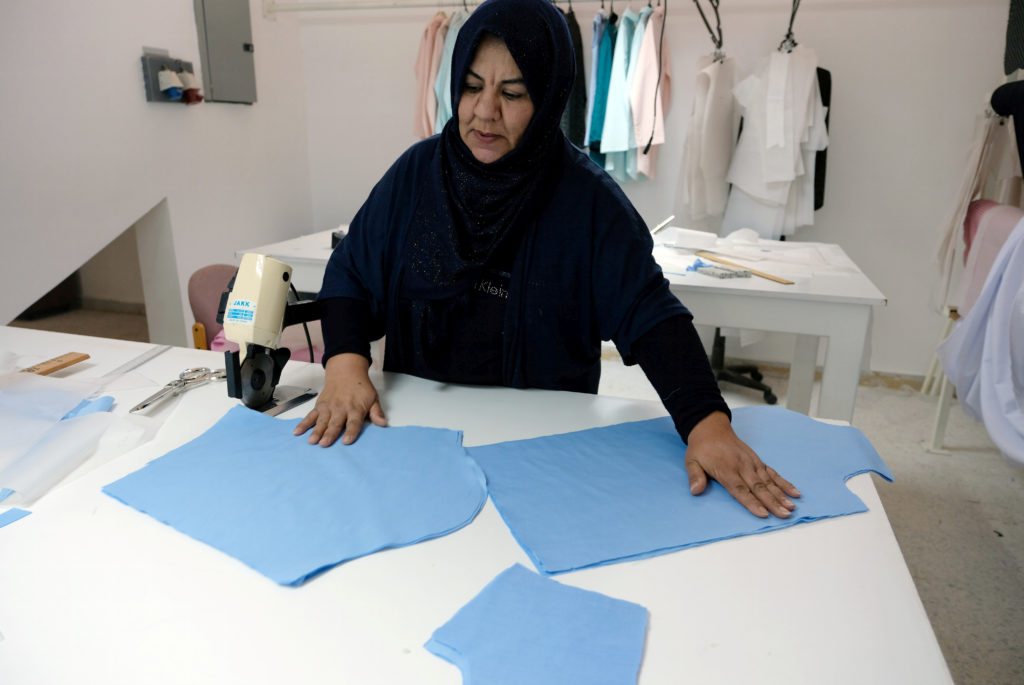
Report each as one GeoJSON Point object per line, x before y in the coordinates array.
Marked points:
{"type": "Point", "coordinates": [497, 253]}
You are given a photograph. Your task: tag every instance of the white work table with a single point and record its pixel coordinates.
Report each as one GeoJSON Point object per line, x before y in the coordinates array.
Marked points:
{"type": "Point", "coordinates": [834, 303]}
{"type": "Point", "coordinates": [93, 591]}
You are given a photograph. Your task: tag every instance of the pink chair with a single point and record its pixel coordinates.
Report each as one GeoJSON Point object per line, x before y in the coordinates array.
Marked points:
{"type": "Point", "coordinates": [204, 291]}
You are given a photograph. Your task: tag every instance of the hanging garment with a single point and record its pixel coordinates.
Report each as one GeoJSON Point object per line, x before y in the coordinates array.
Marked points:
{"type": "Point", "coordinates": [620, 493]}
{"type": "Point", "coordinates": [428, 61]}
{"type": "Point", "coordinates": [820, 158]}
{"type": "Point", "coordinates": [986, 229]}
{"type": "Point", "coordinates": [650, 94]}
{"type": "Point", "coordinates": [772, 169]}
{"type": "Point", "coordinates": [632, 169]}
{"type": "Point", "coordinates": [443, 83]}
{"type": "Point", "coordinates": [710, 138]}
{"type": "Point", "coordinates": [618, 135]}
{"type": "Point", "coordinates": [992, 163]}
{"type": "Point", "coordinates": [291, 510]}
{"type": "Point", "coordinates": [984, 355]}
{"type": "Point", "coordinates": [525, 628]}
{"type": "Point", "coordinates": [604, 75]}
{"type": "Point", "coordinates": [574, 120]}
{"type": "Point", "coordinates": [600, 24]}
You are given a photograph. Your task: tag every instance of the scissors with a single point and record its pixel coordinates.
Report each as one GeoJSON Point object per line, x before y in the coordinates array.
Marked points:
{"type": "Point", "coordinates": [186, 380]}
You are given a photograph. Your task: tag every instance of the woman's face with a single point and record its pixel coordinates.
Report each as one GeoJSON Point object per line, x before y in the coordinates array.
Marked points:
{"type": "Point", "coordinates": [495, 108]}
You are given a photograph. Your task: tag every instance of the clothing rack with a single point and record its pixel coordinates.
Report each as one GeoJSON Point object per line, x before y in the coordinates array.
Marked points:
{"type": "Point", "coordinates": [273, 7]}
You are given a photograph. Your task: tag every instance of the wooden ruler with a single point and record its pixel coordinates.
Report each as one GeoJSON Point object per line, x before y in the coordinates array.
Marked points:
{"type": "Point", "coordinates": [56, 364]}
{"type": "Point", "coordinates": [777, 279]}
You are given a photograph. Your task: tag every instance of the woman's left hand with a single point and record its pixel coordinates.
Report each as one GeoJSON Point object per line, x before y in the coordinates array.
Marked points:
{"type": "Point", "coordinates": [714, 449]}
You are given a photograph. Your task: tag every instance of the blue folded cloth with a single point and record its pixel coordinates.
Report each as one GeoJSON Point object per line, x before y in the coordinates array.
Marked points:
{"type": "Point", "coordinates": [290, 510]}
{"type": "Point", "coordinates": [621, 492]}
{"type": "Point", "coordinates": [525, 628]}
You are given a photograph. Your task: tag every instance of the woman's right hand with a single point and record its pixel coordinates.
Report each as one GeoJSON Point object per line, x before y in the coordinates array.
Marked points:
{"type": "Point", "coordinates": [347, 400]}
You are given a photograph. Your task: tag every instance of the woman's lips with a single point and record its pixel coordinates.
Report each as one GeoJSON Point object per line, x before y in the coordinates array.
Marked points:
{"type": "Point", "coordinates": [487, 137]}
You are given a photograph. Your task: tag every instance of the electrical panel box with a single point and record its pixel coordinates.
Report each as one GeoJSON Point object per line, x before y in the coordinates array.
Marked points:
{"type": "Point", "coordinates": [226, 50]}
{"type": "Point", "coordinates": [151, 66]}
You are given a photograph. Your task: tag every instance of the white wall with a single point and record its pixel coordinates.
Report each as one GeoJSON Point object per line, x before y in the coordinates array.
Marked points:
{"type": "Point", "coordinates": [83, 156]}
{"type": "Point", "coordinates": [909, 77]}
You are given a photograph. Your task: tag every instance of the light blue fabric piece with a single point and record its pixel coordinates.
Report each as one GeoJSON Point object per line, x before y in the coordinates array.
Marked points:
{"type": "Point", "coordinates": [5, 493]}
{"type": "Point", "coordinates": [290, 510]}
{"type": "Point", "coordinates": [621, 492]}
{"type": "Point", "coordinates": [525, 628]}
{"type": "Point", "coordinates": [12, 515]}
{"type": "Point", "coordinates": [88, 406]}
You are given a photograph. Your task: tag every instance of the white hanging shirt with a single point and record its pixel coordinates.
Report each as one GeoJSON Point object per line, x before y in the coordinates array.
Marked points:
{"type": "Point", "coordinates": [773, 164]}
{"type": "Point", "coordinates": [710, 138]}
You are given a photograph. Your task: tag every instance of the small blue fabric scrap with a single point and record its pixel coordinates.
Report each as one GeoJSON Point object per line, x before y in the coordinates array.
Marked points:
{"type": "Point", "coordinates": [290, 510]}
{"type": "Point", "coordinates": [525, 628]}
{"type": "Point", "coordinates": [87, 406]}
{"type": "Point", "coordinates": [697, 264]}
{"type": "Point", "coordinates": [11, 515]}
{"type": "Point", "coordinates": [621, 492]}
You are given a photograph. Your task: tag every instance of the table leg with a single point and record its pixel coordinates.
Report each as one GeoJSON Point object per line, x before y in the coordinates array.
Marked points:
{"type": "Point", "coordinates": [801, 374]}
{"type": "Point", "coordinates": [841, 375]}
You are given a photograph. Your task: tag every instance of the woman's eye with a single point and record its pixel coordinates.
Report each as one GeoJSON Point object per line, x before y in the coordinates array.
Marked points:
{"type": "Point", "coordinates": [511, 95]}
{"type": "Point", "coordinates": [471, 88]}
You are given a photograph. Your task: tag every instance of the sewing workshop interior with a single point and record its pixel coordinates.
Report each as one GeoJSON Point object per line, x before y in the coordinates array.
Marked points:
{"type": "Point", "coordinates": [569, 342]}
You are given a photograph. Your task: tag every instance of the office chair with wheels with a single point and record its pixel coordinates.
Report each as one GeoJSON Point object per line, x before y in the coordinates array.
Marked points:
{"type": "Point", "coordinates": [746, 375]}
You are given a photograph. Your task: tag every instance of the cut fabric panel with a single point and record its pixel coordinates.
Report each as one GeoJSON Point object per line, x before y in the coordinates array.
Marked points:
{"type": "Point", "coordinates": [524, 628]}
{"type": "Point", "coordinates": [621, 492]}
{"type": "Point", "coordinates": [290, 510]}
{"type": "Point", "coordinates": [12, 515]}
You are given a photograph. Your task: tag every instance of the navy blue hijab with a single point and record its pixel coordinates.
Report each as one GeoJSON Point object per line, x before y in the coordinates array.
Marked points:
{"type": "Point", "coordinates": [476, 208]}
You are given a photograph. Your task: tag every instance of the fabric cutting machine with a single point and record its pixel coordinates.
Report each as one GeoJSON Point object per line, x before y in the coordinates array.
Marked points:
{"type": "Point", "coordinates": [254, 310]}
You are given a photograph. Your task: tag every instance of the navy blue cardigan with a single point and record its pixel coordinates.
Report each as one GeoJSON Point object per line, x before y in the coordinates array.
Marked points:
{"type": "Point", "coordinates": [582, 273]}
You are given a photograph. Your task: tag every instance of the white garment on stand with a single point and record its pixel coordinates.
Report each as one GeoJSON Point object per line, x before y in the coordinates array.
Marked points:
{"type": "Point", "coordinates": [773, 164]}
{"type": "Point", "coordinates": [984, 355]}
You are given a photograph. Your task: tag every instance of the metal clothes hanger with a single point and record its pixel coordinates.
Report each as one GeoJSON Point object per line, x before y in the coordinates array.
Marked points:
{"type": "Point", "coordinates": [789, 42]}
{"type": "Point", "coordinates": [716, 33]}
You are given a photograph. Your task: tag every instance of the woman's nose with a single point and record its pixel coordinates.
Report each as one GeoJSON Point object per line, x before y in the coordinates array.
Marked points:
{"type": "Point", "coordinates": [487, 106]}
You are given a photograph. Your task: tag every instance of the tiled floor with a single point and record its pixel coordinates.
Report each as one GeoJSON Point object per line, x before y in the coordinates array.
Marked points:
{"type": "Point", "coordinates": [959, 517]}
